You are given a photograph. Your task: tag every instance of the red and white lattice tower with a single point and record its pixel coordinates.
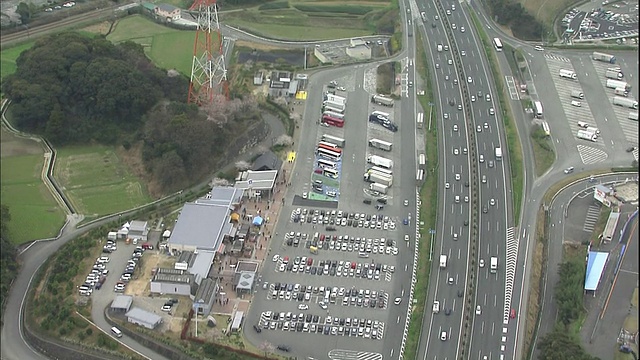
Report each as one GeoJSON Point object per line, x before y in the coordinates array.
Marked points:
{"type": "Point", "coordinates": [208, 71]}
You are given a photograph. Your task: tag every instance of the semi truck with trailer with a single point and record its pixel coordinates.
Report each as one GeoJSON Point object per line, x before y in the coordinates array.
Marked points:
{"type": "Point", "coordinates": [443, 261]}
{"type": "Point", "coordinates": [587, 135]}
{"type": "Point", "coordinates": [616, 84]}
{"type": "Point", "coordinates": [380, 144]}
{"type": "Point", "coordinates": [334, 105]}
{"type": "Point", "coordinates": [382, 100]}
{"type": "Point", "coordinates": [626, 102]}
{"type": "Point", "coordinates": [568, 74]}
{"type": "Point", "coordinates": [577, 94]}
{"type": "Point", "coordinates": [604, 57]}
{"type": "Point", "coordinates": [380, 161]}
{"type": "Point", "coordinates": [381, 188]}
{"type": "Point", "coordinates": [614, 74]}
{"type": "Point", "coordinates": [376, 177]}
{"type": "Point", "coordinates": [621, 92]}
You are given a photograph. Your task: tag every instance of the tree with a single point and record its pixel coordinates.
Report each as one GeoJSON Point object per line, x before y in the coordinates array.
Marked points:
{"type": "Point", "coordinates": [559, 344]}
{"type": "Point", "coordinates": [25, 12]}
{"type": "Point", "coordinates": [8, 263]}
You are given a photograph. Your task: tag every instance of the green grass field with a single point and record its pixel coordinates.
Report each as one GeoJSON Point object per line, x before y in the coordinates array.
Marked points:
{"type": "Point", "coordinates": [8, 59]}
{"type": "Point", "coordinates": [34, 212]}
{"type": "Point", "coordinates": [97, 182]}
{"type": "Point", "coordinates": [168, 48]}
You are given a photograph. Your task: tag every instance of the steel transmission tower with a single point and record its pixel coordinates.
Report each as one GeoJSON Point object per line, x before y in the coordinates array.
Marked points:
{"type": "Point", "coordinates": [208, 71]}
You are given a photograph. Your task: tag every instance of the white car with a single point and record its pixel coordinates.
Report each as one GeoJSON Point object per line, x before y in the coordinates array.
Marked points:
{"type": "Point", "coordinates": [473, 98]}
{"type": "Point", "coordinates": [323, 305]}
{"type": "Point", "coordinates": [466, 199]}
{"type": "Point", "coordinates": [457, 177]}
{"type": "Point", "coordinates": [443, 335]}
{"type": "Point", "coordinates": [455, 128]}
{"type": "Point", "coordinates": [397, 300]}
{"type": "Point", "coordinates": [469, 79]}
{"type": "Point", "coordinates": [445, 115]}
{"type": "Point", "coordinates": [481, 263]}
{"type": "Point", "coordinates": [538, 48]}
{"type": "Point", "coordinates": [453, 26]}
{"type": "Point", "coordinates": [276, 257]}
{"type": "Point", "coordinates": [463, 53]}
{"type": "Point", "coordinates": [406, 202]}
{"type": "Point", "coordinates": [491, 111]}
{"type": "Point", "coordinates": [450, 62]}
{"type": "Point", "coordinates": [166, 308]}
{"type": "Point", "coordinates": [450, 281]}
{"type": "Point", "coordinates": [446, 185]}
{"type": "Point", "coordinates": [303, 307]}
{"type": "Point", "coordinates": [406, 237]}
{"type": "Point", "coordinates": [461, 28]}
{"type": "Point", "coordinates": [455, 151]}
{"type": "Point", "coordinates": [492, 202]}
{"type": "Point", "coordinates": [486, 125]}
{"type": "Point", "coordinates": [478, 310]}
{"type": "Point", "coordinates": [305, 195]}
{"type": "Point", "coordinates": [479, 128]}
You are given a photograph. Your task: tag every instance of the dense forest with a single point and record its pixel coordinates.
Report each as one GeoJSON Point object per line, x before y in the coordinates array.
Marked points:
{"type": "Point", "coordinates": [512, 14]}
{"type": "Point", "coordinates": [74, 89]}
{"type": "Point", "coordinates": [8, 262]}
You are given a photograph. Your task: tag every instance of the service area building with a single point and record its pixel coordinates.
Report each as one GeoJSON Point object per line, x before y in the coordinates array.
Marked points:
{"type": "Point", "coordinates": [143, 318]}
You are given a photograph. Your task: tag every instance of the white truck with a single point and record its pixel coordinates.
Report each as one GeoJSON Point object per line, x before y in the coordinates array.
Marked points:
{"type": "Point", "coordinates": [380, 161]}
{"type": "Point", "coordinates": [382, 100]}
{"type": "Point", "coordinates": [577, 94]}
{"type": "Point", "coordinates": [621, 92]}
{"type": "Point", "coordinates": [378, 187]}
{"type": "Point", "coordinates": [443, 261]}
{"type": "Point", "coordinates": [498, 153]}
{"type": "Point", "coordinates": [615, 84]}
{"type": "Point", "coordinates": [626, 102]}
{"type": "Point", "coordinates": [436, 306]}
{"type": "Point", "coordinates": [494, 264]}
{"type": "Point", "coordinates": [633, 116]}
{"type": "Point", "coordinates": [587, 135]}
{"type": "Point", "coordinates": [614, 74]}
{"type": "Point", "coordinates": [373, 176]}
{"type": "Point", "coordinates": [336, 99]}
{"type": "Point", "coordinates": [568, 74]}
{"type": "Point", "coordinates": [381, 144]}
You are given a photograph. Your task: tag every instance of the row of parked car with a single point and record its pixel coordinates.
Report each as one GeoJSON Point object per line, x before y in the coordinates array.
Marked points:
{"type": "Point", "coordinates": [96, 277]}
{"type": "Point", "coordinates": [129, 270]}
{"type": "Point", "coordinates": [365, 328]}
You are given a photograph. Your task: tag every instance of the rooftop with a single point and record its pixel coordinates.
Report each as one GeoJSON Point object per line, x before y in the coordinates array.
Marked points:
{"type": "Point", "coordinates": [143, 316]}
{"type": "Point", "coordinates": [257, 180]}
{"type": "Point", "coordinates": [174, 278]}
{"type": "Point", "coordinates": [247, 266]}
{"type": "Point", "coordinates": [267, 161]}
{"type": "Point", "coordinates": [201, 225]}
{"type": "Point", "coordinates": [122, 302]}
{"type": "Point", "coordinates": [205, 291]}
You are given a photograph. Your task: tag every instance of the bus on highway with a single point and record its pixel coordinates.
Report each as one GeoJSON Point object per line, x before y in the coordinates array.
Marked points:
{"type": "Point", "coordinates": [329, 144]}
{"type": "Point", "coordinates": [330, 173]}
{"type": "Point", "coordinates": [334, 114]}
{"type": "Point", "coordinates": [329, 154]}
{"type": "Point", "coordinates": [337, 150]}
{"type": "Point", "coordinates": [331, 121]}
{"type": "Point", "coordinates": [497, 44]}
{"type": "Point", "coordinates": [326, 164]}
{"type": "Point", "coordinates": [333, 139]}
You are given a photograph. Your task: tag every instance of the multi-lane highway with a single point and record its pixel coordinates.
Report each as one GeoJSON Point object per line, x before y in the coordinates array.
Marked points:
{"type": "Point", "coordinates": [470, 131]}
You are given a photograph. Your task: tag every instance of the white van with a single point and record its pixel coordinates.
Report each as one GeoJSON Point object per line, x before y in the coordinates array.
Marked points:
{"type": "Point", "coordinates": [576, 103]}
{"type": "Point", "coordinates": [116, 332]}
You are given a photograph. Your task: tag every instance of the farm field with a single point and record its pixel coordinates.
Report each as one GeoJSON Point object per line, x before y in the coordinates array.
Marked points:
{"type": "Point", "coordinates": [309, 20]}
{"type": "Point", "coordinates": [97, 182]}
{"type": "Point", "coordinates": [168, 48]}
{"type": "Point", "coordinates": [34, 212]}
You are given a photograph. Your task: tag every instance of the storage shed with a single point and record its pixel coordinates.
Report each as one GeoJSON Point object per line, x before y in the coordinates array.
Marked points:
{"type": "Point", "coordinates": [143, 318]}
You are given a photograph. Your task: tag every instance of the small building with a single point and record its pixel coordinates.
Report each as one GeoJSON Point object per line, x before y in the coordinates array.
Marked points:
{"type": "Point", "coordinates": [143, 318]}
{"type": "Point", "coordinates": [245, 284]}
{"type": "Point", "coordinates": [293, 88]}
{"type": "Point", "coordinates": [122, 303]}
{"type": "Point", "coordinates": [205, 296]}
{"type": "Point", "coordinates": [167, 12]}
{"type": "Point", "coordinates": [257, 183]}
{"type": "Point", "coordinates": [279, 84]}
{"type": "Point", "coordinates": [357, 42]}
{"type": "Point", "coordinates": [138, 230]}
{"type": "Point", "coordinates": [244, 276]}
{"type": "Point", "coordinates": [267, 161]}
{"type": "Point", "coordinates": [258, 78]}
{"type": "Point", "coordinates": [173, 282]}
{"type": "Point", "coordinates": [196, 263]}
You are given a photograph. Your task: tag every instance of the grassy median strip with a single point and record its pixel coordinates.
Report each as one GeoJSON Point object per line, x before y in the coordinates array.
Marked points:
{"type": "Point", "coordinates": [428, 209]}
{"type": "Point", "coordinates": [511, 132]}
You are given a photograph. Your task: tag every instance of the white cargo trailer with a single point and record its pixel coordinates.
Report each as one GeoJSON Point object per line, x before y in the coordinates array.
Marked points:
{"type": "Point", "coordinates": [380, 161]}
{"type": "Point", "coordinates": [626, 102]}
{"type": "Point", "coordinates": [568, 74]}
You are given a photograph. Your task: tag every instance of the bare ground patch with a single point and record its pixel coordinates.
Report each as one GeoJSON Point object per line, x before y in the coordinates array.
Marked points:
{"type": "Point", "coordinates": [257, 46]}
{"type": "Point", "coordinates": [11, 145]}
{"type": "Point", "coordinates": [132, 159]}
{"type": "Point", "coordinates": [101, 28]}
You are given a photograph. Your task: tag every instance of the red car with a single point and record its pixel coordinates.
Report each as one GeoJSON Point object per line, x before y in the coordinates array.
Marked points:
{"type": "Point", "coordinates": [285, 260]}
{"type": "Point", "coordinates": [310, 261]}
{"type": "Point", "coordinates": [513, 314]}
